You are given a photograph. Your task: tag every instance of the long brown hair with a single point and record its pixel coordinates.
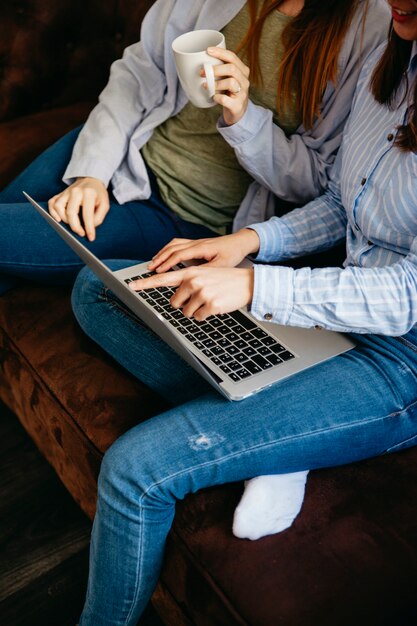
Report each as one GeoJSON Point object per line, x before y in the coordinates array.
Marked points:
{"type": "Point", "coordinates": [385, 84]}
{"type": "Point", "coordinates": [312, 42]}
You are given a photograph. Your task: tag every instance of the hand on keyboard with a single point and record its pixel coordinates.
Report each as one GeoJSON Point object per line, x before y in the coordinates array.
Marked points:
{"type": "Point", "coordinates": [226, 251]}
{"type": "Point", "coordinates": [233, 342]}
{"type": "Point", "coordinates": [203, 290]}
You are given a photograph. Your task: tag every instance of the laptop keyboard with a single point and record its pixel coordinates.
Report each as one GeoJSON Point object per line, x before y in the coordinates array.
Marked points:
{"type": "Point", "coordinates": [231, 341]}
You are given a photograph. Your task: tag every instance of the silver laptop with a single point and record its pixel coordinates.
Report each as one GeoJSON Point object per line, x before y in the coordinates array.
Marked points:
{"type": "Point", "coordinates": [234, 352]}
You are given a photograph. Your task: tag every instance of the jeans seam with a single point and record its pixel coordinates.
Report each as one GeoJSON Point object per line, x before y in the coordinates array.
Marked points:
{"type": "Point", "coordinates": [115, 304]}
{"type": "Point", "coordinates": [407, 343]}
{"type": "Point", "coordinates": [400, 443]}
{"type": "Point", "coordinates": [138, 568]}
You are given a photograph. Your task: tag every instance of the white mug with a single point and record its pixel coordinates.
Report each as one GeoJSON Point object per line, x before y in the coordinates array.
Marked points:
{"type": "Point", "coordinates": [190, 56]}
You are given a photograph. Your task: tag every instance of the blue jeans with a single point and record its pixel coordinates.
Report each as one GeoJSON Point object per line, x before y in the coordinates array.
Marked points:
{"type": "Point", "coordinates": [357, 405]}
{"type": "Point", "coordinates": [30, 249]}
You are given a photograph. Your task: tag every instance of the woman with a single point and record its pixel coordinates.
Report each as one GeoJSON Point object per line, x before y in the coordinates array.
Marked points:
{"type": "Point", "coordinates": [138, 137]}
{"type": "Point", "coordinates": [360, 404]}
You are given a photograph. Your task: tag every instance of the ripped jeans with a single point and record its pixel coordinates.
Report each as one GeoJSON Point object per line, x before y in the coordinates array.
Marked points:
{"type": "Point", "coordinates": [357, 405]}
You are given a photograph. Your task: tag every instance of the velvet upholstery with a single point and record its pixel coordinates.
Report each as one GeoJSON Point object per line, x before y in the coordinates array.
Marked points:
{"type": "Point", "coordinates": [351, 556]}
{"type": "Point", "coordinates": [54, 59]}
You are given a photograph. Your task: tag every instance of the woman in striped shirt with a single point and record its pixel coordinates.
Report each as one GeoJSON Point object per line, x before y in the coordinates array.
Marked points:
{"type": "Point", "coordinates": [354, 406]}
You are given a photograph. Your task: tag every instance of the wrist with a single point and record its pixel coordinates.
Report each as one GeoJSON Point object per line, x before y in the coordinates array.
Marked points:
{"type": "Point", "coordinates": [91, 178]}
{"type": "Point", "coordinates": [250, 239]}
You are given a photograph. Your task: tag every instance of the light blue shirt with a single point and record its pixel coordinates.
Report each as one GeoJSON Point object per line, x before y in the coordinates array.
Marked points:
{"type": "Point", "coordinates": [144, 91]}
{"type": "Point", "coordinates": [372, 201]}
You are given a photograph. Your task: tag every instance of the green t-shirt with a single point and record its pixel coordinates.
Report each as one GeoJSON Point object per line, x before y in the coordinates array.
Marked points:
{"type": "Point", "coordinates": [198, 174]}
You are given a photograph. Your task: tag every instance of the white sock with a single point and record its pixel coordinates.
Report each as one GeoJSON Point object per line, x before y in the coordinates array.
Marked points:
{"type": "Point", "coordinates": [269, 505]}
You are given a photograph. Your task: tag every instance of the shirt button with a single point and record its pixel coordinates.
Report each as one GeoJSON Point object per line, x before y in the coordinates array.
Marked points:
{"type": "Point", "coordinates": [390, 137]}
{"type": "Point", "coordinates": [370, 243]}
{"type": "Point", "coordinates": [317, 327]}
{"type": "Point", "coordinates": [363, 181]}
{"type": "Point", "coordinates": [268, 317]}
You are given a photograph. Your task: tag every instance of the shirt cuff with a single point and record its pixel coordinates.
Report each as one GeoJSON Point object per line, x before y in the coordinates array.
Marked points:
{"type": "Point", "coordinates": [247, 127]}
{"type": "Point", "coordinates": [94, 168]}
{"type": "Point", "coordinates": [273, 293]}
{"type": "Point", "coordinates": [271, 240]}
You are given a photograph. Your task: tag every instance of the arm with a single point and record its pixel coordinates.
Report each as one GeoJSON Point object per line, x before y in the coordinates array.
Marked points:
{"type": "Point", "coordinates": [296, 168]}
{"type": "Point", "coordinates": [137, 83]}
{"type": "Point", "coordinates": [317, 226]}
{"type": "Point", "coordinates": [381, 300]}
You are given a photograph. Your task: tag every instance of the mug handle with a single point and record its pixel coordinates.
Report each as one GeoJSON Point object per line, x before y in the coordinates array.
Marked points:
{"type": "Point", "coordinates": [211, 83]}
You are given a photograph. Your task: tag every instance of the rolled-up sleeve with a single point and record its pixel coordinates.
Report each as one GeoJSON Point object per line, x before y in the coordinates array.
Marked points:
{"type": "Point", "coordinates": [379, 300]}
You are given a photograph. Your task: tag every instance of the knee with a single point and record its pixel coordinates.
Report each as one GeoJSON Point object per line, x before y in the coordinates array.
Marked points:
{"type": "Point", "coordinates": [87, 288]}
{"type": "Point", "coordinates": [86, 292]}
{"type": "Point", "coordinates": [125, 474]}
{"type": "Point", "coordinates": [115, 470]}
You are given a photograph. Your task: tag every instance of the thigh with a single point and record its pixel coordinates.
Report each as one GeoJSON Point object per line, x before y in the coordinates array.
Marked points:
{"type": "Point", "coordinates": [130, 342]}
{"type": "Point", "coordinates": [42, 179]}
{"type": "Point", "coordinates": [357, 405]}
{"type": "Point", "coordinates": [30, 248]}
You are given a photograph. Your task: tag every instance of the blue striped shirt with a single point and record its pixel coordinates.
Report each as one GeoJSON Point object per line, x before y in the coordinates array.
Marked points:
{"type": "Point", "coordinates": [372, 202]}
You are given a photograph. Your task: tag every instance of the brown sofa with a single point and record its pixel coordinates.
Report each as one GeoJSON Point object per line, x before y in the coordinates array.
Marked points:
{"type": "Point", "coordinates": [351, 556]}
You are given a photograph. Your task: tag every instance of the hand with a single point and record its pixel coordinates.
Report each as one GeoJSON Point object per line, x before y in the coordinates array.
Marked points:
{"type": "Point", "coordinates": [232, 78]}
{"type": "Point", "coordinates": [226, 251]}
{"type": "Point", "coordinates": [204, 290]}
{"type": "Point", "coordinates": [88, 195]}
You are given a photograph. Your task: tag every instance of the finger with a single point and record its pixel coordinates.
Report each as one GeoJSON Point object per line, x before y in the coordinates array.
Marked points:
{"type": "Point", "coordinates": [51, 209]}
{"type": "Point", "coordinates": [193, 304]}
{"type": "Point", "coordinates": [203, 313]}
{"type": "Point", "coordinates": [232, 103]}
{"type": "Point", "coordinates": [164, 254]}
{"type": "Point", "coordinates": [101, 211]}
{"type": "Point", "coordinates": [170, 279]}
{"type": "Point", "coordinates": [230, 85]}
{"type": "Point", "coordinates": [170, 246]}
{"type": "Point", "coordinates": [185, 254]}
{"type": "Point", "coordinates": [60, 206]}
{"type": "Point", "coordinates": [88, 208]}
{"type": "Point", "coordinates": [180, 297]}
{"type": "Point", "coordinates": [170, 257]}
{"type": "Point", "coordinates": [72, 212]}
{"type": "Point", "coordinates": [227, 56]}
{"type": "Point", "coordinates": [227, 69]}
{"type": "Point", "coordinates": [174, 242]}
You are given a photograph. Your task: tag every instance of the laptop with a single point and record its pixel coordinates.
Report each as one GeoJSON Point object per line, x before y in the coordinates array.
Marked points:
{"type": "Point", "coordinates": [237, 354]}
